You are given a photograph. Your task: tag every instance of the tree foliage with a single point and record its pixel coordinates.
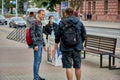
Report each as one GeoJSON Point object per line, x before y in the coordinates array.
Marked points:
{"type": "Point", "coordinates": [21, 6]}
{"type": "Point", "coordinates": [76, 3]}
{"type": "Point", "coordinates": [1, 3]}
{"type": "Point", "coordinates": [50, 4]}
{"type": "Point", "coordinates": [8, 5]}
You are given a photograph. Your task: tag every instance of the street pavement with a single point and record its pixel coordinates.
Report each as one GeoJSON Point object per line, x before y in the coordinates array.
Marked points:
{"type": "Point", "coordinates": [101, 24]}
{"type": "Point", "coordinates": [16, 61]}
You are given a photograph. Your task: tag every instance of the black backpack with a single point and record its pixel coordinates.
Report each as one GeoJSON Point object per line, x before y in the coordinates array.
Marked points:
{"type": "Point", "coordinates": [70, 35]}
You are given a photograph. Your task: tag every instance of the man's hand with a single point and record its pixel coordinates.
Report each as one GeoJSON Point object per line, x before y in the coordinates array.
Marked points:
{"type": "Point", "coordinates": [36, 48]}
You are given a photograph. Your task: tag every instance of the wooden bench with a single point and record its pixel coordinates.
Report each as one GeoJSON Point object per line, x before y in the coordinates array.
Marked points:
{"type": "Point", "coordinates": [112, 63]}
{"type": "Point", "coordinates": [100, 45]}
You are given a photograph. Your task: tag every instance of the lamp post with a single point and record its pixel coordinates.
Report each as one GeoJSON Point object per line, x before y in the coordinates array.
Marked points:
{"type": "Point", "coordinates": [16, 8]}
{"type": "Point", "coordinates": [2, 7]}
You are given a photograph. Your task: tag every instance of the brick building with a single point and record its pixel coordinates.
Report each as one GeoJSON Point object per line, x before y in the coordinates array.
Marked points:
{"type": "Point", "coordinates": [102, 10]}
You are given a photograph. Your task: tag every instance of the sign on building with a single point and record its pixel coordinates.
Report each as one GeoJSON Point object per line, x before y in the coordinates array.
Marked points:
{"type": "Point", "coordinates": [25, 6]}
{"type": "Point", "coordinates": [64, 5]}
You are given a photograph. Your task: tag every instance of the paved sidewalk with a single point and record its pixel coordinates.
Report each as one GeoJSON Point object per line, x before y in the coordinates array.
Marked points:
{"type": "Point", "coordinates": [100, 24]}
{"type": "Point", "coordinates": [16, 64]}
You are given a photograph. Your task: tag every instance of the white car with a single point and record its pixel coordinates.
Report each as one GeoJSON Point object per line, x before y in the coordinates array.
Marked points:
{"type": "Point", "coordinates": [3, 20]}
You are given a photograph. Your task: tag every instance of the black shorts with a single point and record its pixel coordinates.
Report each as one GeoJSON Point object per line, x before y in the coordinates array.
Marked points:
{"type": "Point", "coordinates": [72, 58]}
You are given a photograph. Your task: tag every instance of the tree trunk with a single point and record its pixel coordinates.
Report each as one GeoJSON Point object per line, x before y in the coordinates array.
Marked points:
{"type": "Point", "coordinates": [75, 4]}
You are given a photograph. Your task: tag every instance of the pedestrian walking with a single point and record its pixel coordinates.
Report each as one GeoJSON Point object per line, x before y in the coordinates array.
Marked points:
{"type": "Point", "coordinates": [38, 43]}
{"type": "Point", "coordinates": [51, 27]}
{"type": "Point", "coordinates": [77, 14]}
{"type": "Point", "coordinates": [70, 34]}
{"type": "Point", "coordinates": [80, 16]}
{"type": "Point", "coordinates": [30, 18]}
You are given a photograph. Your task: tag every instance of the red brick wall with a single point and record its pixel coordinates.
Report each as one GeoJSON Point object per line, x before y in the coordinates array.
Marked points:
{"type": "Point", "coordinates": [112, 14]}
{"type": "Point", "coordinates": [99, 14]}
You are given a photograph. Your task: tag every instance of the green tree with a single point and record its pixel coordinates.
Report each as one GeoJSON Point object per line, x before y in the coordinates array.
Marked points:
{"type": "Point", "coordinates": [0, 3]}
{"type": "Point", "coordinates": [10, 6]}
{"type": "Point", "coordinates": [7, 4]}
{"type": "Point", "coordinates": [76, 3]}
{"type": "Point", "coordinates": [50, 4]}
{"type": "Point", "coordinates": [21, 6]}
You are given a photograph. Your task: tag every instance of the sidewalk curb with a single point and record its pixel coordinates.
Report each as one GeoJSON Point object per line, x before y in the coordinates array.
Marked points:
{"type": "Point", "coordinates": [102, 24]}
{"type": "Point", "coordinates": [103, 27]}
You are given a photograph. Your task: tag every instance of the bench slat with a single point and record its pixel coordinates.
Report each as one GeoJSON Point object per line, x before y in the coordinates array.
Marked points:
{"type": "Point", "coordinates": [97, 51]}
{"type": "Point", "coordinates": [116, 56]}
{"type": "Point", "coordinates": [93, 45]}
{"type": "Point", "coordinates": [106, 47]}
{"type": "Point", "coordinates": [105, 41]}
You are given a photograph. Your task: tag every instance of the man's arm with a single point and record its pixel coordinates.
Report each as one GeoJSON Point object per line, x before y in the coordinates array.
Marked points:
{"type": "Point", "coordinates": [58, 33]}
{"type": "Point", "coordinates": [32, 33]}
{"type": "Point", "coordinates": [83, 34]}
{"type": "Point", "coordinates": [57, 39]}
{"type": "Point", "coordinates": [46, 29]}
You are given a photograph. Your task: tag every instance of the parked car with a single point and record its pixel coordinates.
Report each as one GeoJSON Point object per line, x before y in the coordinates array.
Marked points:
{"type": "Point", "coordinates": [3, 20]}
{"type": "Point", "coordinates": [17, 22]}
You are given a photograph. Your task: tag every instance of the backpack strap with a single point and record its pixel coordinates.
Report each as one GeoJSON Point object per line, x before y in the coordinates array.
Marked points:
{"type": "Point", "coordinates": [66, 23]}
{"type": "Point", "coordinates": [36, 23]}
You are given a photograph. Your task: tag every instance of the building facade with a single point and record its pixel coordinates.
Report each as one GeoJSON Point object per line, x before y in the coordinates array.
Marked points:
{"type": "Point", "coordinates": [101, 10]}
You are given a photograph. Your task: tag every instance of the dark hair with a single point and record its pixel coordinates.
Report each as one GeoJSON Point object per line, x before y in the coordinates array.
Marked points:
{"type": "Point", "coordinates": [69, 11]}
{"type": "Point", "coordinates": [39, 11]}
{"type": "Point", "coordinates": [50, 16]}
{"type": "Point", "coordinates": [31, 12]}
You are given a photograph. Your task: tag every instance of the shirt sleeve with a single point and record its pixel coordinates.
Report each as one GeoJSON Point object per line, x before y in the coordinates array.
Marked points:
{"type": "Point", "coordinates": [58, 33]}
{"type": "Point", "coordinates": [83, 33]}
{"type": "Point", "coordinates": [32, 32]}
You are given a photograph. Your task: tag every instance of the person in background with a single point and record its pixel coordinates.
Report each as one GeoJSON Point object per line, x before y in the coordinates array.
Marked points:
{"type": "Point", "coordinates": [78, 14]}
{"type": "Point", "coordinates": [71, 55]}
{"type": "Point", "coordinates": [38, 43]}
{"type": "Point", "coordinates": [89, 16]}
{"type": "Point", "coordinates": [50, 27]}
{"type": "Point", "coordinates": [30, 18]}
